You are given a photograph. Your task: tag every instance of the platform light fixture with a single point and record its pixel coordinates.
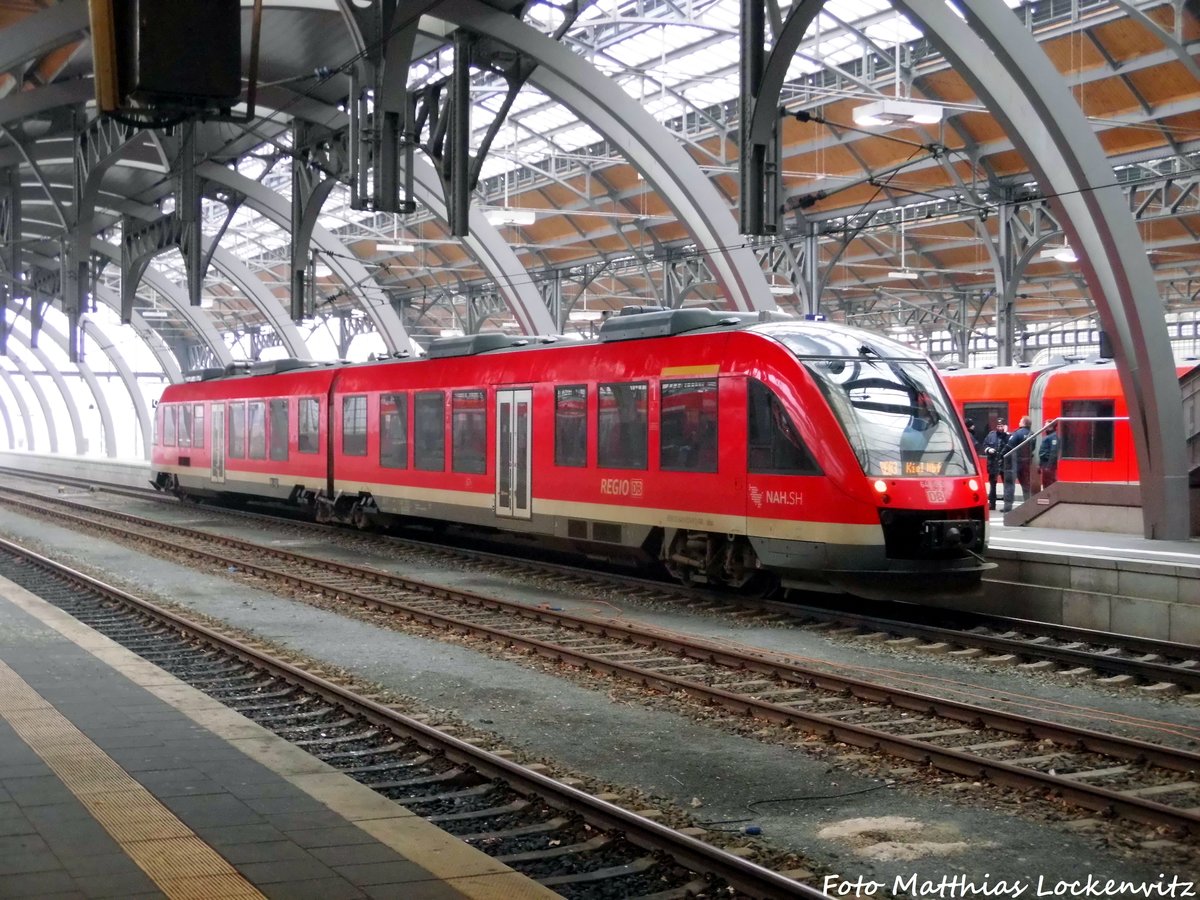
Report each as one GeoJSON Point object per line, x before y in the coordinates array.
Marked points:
{"type": "Point", "coordinates": [782, 290]}
{"type": "Point", "coordinates": [897, 111]}
{"type": "Point", "coordinates": [1063, 254]}
{"type": "Point", "coordinates": [154, 313]}
{"type": "Point", "coordinates": [510, 216]}
{"type": "Point", "coordinates": [906, 274]}
{"type": "Point", "coordinates": [394, 248]}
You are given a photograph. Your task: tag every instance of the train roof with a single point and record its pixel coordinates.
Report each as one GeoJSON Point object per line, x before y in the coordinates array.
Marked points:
{"type": "Point", "coordinates": [804, 338]}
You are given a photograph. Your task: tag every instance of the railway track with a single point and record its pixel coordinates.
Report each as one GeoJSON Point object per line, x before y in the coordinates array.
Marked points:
{"type": "Point", "coordinates": [1106, 773]}
{"type": "Point", "coordinates": [574, 843]}
{"type": "Point", "coordinates": [1115, 660]}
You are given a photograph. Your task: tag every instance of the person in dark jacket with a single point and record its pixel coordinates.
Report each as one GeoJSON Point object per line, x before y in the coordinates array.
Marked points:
{"type": "Point", "coordinates": [1017, 464]}
{"type": "Point", "coordinates": [993, 448]}
{"type": "Point", "coordinates": [976, 440]}
{"type": "Point", "coordinates": [1048, 456]}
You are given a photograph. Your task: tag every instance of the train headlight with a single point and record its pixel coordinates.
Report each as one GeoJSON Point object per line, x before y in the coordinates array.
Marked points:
{"type": "Point", "coordinates": [881, 486]}
{"type": "Point", "coordinates": [973, 484]}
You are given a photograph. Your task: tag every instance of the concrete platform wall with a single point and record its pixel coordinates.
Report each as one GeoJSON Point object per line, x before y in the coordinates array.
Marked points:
{"type": "Point", "coordinates": [129, 472]}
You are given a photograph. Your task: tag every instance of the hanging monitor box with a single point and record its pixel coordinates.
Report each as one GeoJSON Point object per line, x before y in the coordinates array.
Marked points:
{"type": "Point", "coordinates": [179, 53]}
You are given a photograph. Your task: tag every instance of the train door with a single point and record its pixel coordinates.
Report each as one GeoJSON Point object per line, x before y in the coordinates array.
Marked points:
{"type": "Point", "coordinates": [218, 443]}
{"type": "Point", "coordinates": [514, 426]}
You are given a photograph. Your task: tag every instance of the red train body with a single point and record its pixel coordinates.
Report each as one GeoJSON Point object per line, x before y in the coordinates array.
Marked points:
{"type": "Point", "coordinates": [1086, 399]}
{"type": "Point", "coordinates": [733, 451]}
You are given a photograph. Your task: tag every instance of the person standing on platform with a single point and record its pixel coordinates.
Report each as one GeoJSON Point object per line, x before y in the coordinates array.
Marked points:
{"type": "Point", "coordinates": [1020, 464]}
{"type": "Point", "coordinates": [993, 448]}
{"type": "Point", "coordinates": [1048, 456]}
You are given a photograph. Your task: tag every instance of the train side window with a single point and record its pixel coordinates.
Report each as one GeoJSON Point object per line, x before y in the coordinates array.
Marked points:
{"type": "Point", "coordinates": [775, 445]}
{"type": "Point", "coordinates": [622, 428]}
{"type": "Point", "coordinates": [570, 426]}
{"type": "Point", "coordinates": [256, 429]}
{"type": "Point", "coordinates": [185, 425]}
{"type": "Point", "coordinates": [354, 425]}
{"type": "Point", "coordinates": [169, 425]}
{"type": "Point", "coordinates": [429, 431]}
{"type": "Point", "coordinates": [393, 431]}
{"type": "Point", "coordinates": [1086, 440]}
{"type": "Point", "coordinates": [468, 432]}
{"type": "Point", "coordinates": [279, 429]}
{"type": "Point", "coordinates": [237, 430]}
{"type": "Point", "coordinates": [309, 432]}
{"type": "Point", "coordinates": [198, 426]}
{"type": "Point", "coordinates": [985, 416]}
{"type": "Point", "coordinates": [688, 425]}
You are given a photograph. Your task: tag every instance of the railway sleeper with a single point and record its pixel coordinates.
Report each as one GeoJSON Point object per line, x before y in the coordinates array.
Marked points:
{"type": "Point", "coordinates": [549, 826]}
{"type": "Point", "coordinates": [553, 852]}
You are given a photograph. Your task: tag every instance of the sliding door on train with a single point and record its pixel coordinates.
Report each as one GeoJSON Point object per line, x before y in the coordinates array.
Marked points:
{"type": "Point", "coordinates": [218, 443]}
{"type": "Point", "coordinates": [514, 426]}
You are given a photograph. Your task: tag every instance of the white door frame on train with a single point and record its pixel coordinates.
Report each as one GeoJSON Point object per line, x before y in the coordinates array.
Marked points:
{"type": "Point", "coordinates": [218, 443]}
{"type": "Point", "coordinates": [514, 470]}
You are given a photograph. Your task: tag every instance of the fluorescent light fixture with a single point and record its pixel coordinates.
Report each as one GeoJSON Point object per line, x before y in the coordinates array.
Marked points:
{"type": "Point", "coordinates": [450, 332]}
{"type": "Point", "coordinates": [394, 248]}
{"type": "Point", "coordinates": [585, 315]}
{"type": "Point", "coordinates": [510, 216]}
{"type": "Point", "coordinates": [154, 313]}
{"type": "Point", "coordinates": [907, 275]}
{"type": "Point", "coordinates": [782, 290]}
{"type": "Point", "coordinates": [1062, 254]}
{"type": "Point", "coordinates": [894, 111]}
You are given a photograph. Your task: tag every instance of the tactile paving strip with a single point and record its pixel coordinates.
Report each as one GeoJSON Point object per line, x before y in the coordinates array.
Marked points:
{"type": "Point", "coordinates": [174, 857]}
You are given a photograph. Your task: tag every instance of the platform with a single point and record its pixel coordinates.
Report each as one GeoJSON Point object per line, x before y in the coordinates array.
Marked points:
{"type": "Point", "coordinates": [119, 780]}
{"type": "Point", "coordinates": [1089, 579]}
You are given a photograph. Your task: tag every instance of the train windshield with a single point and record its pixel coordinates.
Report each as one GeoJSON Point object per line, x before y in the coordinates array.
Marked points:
{"type": "Point", "coordinates": [895, 413]}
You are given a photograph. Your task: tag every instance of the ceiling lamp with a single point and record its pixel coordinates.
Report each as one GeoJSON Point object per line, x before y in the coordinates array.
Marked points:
{"type": "Point", "coordinates": [906, 274]}
{"type": "Point", "coordinates": [510, 216]}
{"type": "Point", "coordinates": [1062, 254]}
{"type": "Point", "coordinates": [154, 313]}
{"type": "Point", "coordinates": [394, 248]}
{"type": "Point", "coordinates": [782, 290]}
{"type": "Point", "coordinates": [894, 111]}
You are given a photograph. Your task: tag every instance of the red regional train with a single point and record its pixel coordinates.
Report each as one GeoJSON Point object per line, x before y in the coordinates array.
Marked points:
{"type": "Point", "coordinates": [1086, 398]}
{"type": "Point", "coordinates": [735, 451]}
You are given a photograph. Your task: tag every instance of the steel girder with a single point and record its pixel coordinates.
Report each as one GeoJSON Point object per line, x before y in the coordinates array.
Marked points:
{"type": "Point", "coordinates": [1009, 72]}
{"type": "Point", "coordinates": [176, 297]}
{"type": "Point", "coordinates": [657, 154]}
{"type": "Point", "coordinates": [42, 32]}
{"type": "Point", "coordinates": [1017, 82]}
{"type": "Point", "coordinates": [43, 402]}
{"type": "Point", "coordinates": [8, 426]}
{"type": "Point", "coordinates": [166, 358]}
{"type": "Point", "coordinates": [22, 408]}
{"type": "Point", "coordinates": [484, 242]}
{"type": "Point", "coordinates": [56, 375]}
{"type": "Point", "coordinates": [349, 269]}
{"type": "Point", "coordinates": [109, 349]}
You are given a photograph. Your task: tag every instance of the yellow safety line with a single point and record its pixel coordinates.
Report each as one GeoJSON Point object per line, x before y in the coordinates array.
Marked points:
{"type": "Point", "coordinates": [174, 857]}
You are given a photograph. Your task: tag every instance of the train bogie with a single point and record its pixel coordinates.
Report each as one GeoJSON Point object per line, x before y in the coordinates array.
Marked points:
{"type": "Point", "coordinates": [730, 452]}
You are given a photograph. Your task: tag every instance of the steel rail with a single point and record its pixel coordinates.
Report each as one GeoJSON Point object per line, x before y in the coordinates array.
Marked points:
{"type": "Point", "coordinates": [694, 854]}
{"type": "Point", "coordinates": [956, 761]}
{"type": "Point", "coordinates": [1149, 669]}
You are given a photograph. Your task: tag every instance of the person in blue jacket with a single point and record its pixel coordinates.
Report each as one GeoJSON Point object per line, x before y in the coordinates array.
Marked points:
{"type": "Point", "coordinates": [1048, 456]}
{"type": "Point", "coordinates": [992, 448]}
